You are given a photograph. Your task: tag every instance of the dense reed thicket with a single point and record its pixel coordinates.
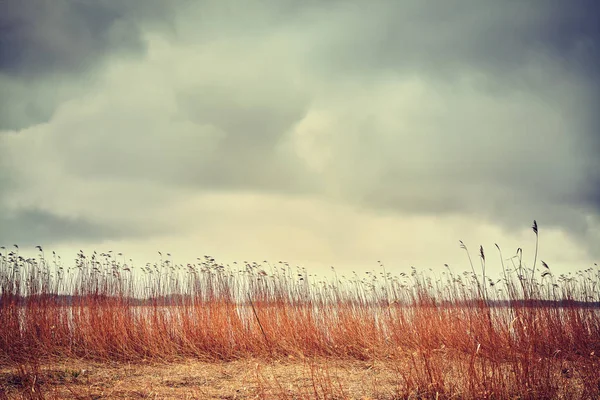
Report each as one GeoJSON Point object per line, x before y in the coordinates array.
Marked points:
{"type": "Point", "coordinates": [529, 333]}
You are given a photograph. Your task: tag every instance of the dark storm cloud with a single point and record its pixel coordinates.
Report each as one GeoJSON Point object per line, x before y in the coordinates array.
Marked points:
{"type": "Point", "coordinates": [34, 226]}
{"type": "Point", "coordinates": [457, 36]}
{"type": "Point", "coordinates": [573, 33]}
{"type": "Point", "coordinates": [574, 36]}
{"type": "Point", "coordinates": [46, 46]}
{"type": "Point", "coordinates": [70, 36]}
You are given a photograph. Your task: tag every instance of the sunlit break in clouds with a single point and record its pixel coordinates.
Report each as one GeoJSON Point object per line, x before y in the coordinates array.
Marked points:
{"type": "Point", "coordinates": [319, 133]}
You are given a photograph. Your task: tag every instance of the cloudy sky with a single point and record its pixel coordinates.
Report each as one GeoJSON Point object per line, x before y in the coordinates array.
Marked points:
{"type": "Point", "coordinates": [318, 132]}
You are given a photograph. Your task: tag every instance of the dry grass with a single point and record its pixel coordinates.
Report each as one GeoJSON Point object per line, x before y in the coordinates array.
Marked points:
{"type": "Point", "coordinates": [255, 379]}
{"type": "Point", "coordinates": [527, 335]}
{"type": "Point", "coordinates": [129, 381]}
{"type": "Point", "coordinates": [242, 379]}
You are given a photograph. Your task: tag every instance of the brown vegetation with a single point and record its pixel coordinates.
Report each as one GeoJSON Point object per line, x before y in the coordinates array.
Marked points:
{"type": "Point", "coordinates": [528, 335]}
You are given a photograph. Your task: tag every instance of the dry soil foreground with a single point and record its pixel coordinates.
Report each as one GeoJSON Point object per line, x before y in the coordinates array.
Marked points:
{"type": "Point", "coordinates": [247, 379]}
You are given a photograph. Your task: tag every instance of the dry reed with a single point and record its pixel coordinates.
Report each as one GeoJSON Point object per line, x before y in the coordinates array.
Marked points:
{"type": "Point", "coordinates": [525, 335]}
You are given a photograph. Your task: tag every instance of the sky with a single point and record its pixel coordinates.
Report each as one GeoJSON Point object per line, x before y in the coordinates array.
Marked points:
{"type": "Point", "coordinates": [321, 133]}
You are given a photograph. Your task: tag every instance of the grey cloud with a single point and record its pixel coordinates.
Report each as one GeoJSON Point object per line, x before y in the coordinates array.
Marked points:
{"type": "Point", "coordinates": [33, 100]}
{"type": "Point", "coordinates": [225, 132]}
{"type": "Point", "coordinates": [35, 226]}
{"type": "Point", "coordinates": [251, 152]}
{"type": "Point", "coordinates": [503, 158]}
{"type": "Point", "coordinates": [590, 196]}
{"type": "Point", "coordinates": [51, 50]}
{"type": "Point", "coordinates": [200, 157]}
{"type": "Point", "coordinates": [447, 39]}
{"type": "Point", "coordinates": [248, 119]}
{"type": "Point", "coordinates": [6, 181]}
{"type": "Point", "coordinates": [501, 125]}
{"type": "Point", "coordinates": [572, 33]}
{"type": "Point", "coordinates": [498, 161]}
{"type": "Point", "coordinates": [8, 174]}
{"type": "Point", "coordinates": [70, 36]}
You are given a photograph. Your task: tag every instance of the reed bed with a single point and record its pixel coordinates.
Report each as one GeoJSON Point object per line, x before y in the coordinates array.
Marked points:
{"type": "Point", "coordinates": [525, 334]}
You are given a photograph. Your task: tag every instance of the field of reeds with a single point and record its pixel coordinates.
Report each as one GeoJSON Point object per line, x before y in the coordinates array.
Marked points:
{"type": "Point", "coordinates": [525, 334]}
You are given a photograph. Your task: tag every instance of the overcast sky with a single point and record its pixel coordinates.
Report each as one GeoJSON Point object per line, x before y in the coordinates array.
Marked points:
{"type": "Point", "coordinates": [318, 132]}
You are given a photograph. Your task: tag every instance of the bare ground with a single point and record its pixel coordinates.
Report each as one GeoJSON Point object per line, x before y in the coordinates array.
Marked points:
{"type": "Point", "coordinates": [246, 379]}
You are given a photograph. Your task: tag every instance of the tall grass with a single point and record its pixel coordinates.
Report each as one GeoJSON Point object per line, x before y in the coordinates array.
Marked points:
{"type": "Point", "coordinates": [528, 333]}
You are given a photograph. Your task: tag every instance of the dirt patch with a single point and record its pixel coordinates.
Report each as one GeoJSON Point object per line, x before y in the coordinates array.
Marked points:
{"type": "Point", "coordinates": [246, 379]}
